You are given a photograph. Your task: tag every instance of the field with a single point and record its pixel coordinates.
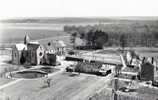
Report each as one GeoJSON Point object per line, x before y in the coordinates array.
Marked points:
{"type": "Point", "coordinates": [64, 86]}
{"type": "Point", "coordinates": [14, 31]}
{"type": "Point", "coordinates": [11, 33]}
{"type": "Point", "coordinates": [16, 35]}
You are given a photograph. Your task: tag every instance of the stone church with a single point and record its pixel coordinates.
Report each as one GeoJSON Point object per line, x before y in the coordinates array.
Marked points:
{"type": "Point", "coordinates": [27, 53]}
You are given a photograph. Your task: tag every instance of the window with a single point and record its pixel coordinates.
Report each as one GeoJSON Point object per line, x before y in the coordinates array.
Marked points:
{"type": "Point", "coordinates": [49, 43]}
{"type": "Point", "coordinates": [33, 54]}
{"type": "Point", "coordinates": [40, 47]}
{"type": "Point", "coordinates": [40, 54]}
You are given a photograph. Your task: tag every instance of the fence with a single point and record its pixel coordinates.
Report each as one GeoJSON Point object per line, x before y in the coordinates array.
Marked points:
{"type": "Point", "coordinates": [5, 52]}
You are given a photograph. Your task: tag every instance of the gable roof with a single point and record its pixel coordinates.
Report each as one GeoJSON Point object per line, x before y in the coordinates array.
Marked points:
{"type": "Point", "coordinates": [47, 47]}
{"type": "Point", "coordinates": [53, 44]}
{"type": "Point", "coordinates": [33, 46]}
{"type": "Point", "coordinates": [21, 46]}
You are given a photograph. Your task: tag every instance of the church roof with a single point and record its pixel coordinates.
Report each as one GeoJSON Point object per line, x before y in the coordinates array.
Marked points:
{"type": "Point", "coordinates": [21, 46]}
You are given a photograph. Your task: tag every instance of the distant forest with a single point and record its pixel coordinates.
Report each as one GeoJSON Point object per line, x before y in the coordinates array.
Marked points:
{"type": "Point", "coordinates": [119, 33]}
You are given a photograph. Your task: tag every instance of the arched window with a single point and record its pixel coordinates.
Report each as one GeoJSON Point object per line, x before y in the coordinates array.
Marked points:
{"type": "Point", "coordinates": [40, 54]}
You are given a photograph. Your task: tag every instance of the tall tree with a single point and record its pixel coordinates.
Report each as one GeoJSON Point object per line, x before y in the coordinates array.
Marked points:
{"type": "Point", "coordinates": [101, 38]}
{"type": "Point", "coordinates": [122, 41]}
{"type": "Point", "coordinates": [73, 39]}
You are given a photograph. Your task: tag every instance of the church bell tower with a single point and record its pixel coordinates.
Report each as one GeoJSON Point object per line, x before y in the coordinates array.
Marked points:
{"type": "Point", "coordinates": [26, 39]}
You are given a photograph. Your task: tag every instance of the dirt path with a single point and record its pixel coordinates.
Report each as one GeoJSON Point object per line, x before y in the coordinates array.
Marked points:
{"type": "Point", "coordinates": [10, 83]}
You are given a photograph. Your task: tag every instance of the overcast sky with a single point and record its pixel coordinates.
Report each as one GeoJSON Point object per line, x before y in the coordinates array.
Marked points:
{"type": "Point", "coordinates": [77, 8]}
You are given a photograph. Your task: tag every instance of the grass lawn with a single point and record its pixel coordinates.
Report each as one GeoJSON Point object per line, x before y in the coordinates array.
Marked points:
{"type": "Point", "coordinates": [5, 81]}
{"type": "Point", "coordinates": [64, 86]}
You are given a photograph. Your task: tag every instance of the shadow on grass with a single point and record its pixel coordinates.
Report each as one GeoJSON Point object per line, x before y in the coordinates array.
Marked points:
{"type": "Point", "coordinates": [74, 74]}
{"type": "Point", "coordinates": [8, 61]}
{"type": "Point", "coordinates": [44, 86]}
{"type": "Point", "coordinates": [124, 89]}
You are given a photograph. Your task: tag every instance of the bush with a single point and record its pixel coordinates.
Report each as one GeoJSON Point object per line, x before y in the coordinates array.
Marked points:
{"type": "Point", "coordinates": [87, 67]}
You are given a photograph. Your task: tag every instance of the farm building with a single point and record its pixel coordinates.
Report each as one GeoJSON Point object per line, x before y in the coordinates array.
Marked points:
{"type": "Point", "coordinates": [49, 59]}
{"type": "Point", "coordinates": [147, 72]}
{"type": "Point", "coordinates": [57, 47]}
{"type": "Point", "coordinates": [142, 63]}
{"type": "Point", "coordinates": [149, 66]}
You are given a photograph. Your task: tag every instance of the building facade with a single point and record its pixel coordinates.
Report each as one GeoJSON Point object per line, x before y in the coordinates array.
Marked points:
{"type": "Point", "coordinates": [27, 53]}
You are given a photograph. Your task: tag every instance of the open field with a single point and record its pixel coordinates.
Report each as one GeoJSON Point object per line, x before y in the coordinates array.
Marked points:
{"type": "Point", "coordinates": [14, 30]}
{"type": "Point", "coordinates": [106, 56]}
{"type": "Point", "coordinates": [16, 35]}
{"type": "Point", "coordinates": [64, 86]}
{"type": "Point", "coordinates": [11, 33]}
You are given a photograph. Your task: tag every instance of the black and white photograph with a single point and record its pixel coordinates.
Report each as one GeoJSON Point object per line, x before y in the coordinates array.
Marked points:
{"type": "Point", "coordinates": [79, 50]}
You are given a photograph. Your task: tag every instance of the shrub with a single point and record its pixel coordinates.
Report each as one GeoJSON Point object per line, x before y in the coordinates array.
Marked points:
{"type": "Point", "coordinates": [87, 67]}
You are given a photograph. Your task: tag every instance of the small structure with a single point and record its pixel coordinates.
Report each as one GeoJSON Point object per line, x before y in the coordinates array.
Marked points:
{"type": "Point", "coordinates": [147, 72]}
{"type": "Point", "coordinates": [148, 69]}
{"type": "Point", "coordinates": [49, 59]}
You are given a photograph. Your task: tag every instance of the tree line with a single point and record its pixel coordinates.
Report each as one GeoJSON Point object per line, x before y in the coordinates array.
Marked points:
{"type": "Point", "coordinates": [120, 34]}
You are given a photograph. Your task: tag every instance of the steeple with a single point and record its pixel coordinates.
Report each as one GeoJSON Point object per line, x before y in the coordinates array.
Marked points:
{"type": "Point", "coordinates": [26, 39]}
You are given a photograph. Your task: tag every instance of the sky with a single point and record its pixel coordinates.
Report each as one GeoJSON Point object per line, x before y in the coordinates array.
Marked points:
{"type": "Point", "coordinates": [77, 8]}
